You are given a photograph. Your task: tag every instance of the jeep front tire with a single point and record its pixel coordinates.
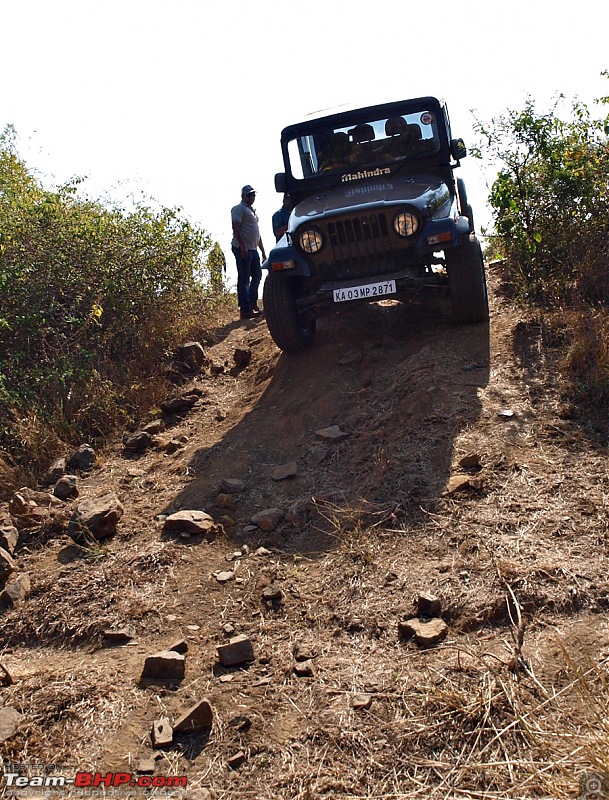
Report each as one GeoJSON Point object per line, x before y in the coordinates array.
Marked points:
{"type": "Point", "coordinates": [290, 329]}
{"type": "Point", "coordinates": [467, 281]}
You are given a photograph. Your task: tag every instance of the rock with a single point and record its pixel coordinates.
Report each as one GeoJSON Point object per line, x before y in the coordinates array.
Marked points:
{"type": "Point", "coordinates": [361, 702]}
{"type": "Point", "coordinates": [228, 629]}
{"type": "Point", "coordinates": [96, 517]}
{"type": "Point", "coordinates": [232, 485]}
{"type": "Point", "coordinates": [66, 487]}
{"type": "Point", "coordinates": [120, 635]}
{"type": "Point", "coordinates": [9, 536]}
{"type": "Point", "coordinates": [225, 501]}
{"type": "Point", "coordinates": [225, 576]}
{"type": "Point", "coordinates": [55, 471]}
{"type": "Point", "coordinates": [226, 521]}
{"type": "Point", "coordinates": [242, 357]}
{"type": "Point", "coordinates": [9, 722]}
{"type": "Point", "coordinates": [179, 646]}
{"type": "Point", "coordinates": [216, 368]}
{"type": "Point", "coordinates": [166, 665]}
{"type": "Point", "coordinates": [18, 506]}
{"type": "Point", "coordinates": [458, 483]}
{"type": "Point", "coordinates": [180, 404]}
{"type": "Point", "coordinates": [284, 471]}
{"type": "Point", "coordinates": [262, 552]}
{"type": "Point", "coordinates": [470, 461]}
{"type": "Point", "coordinates": [350, 358]}
{"type": "Point", "coordinates": [146, 766]}
{"type": "Point", "coordinates": [161, 735]}
{"type": "Point", "coordinates": [221, 415]}
{"type": "Point", "coordinates": [16, 590]}
{"type": "Point", "coordinates": [268, 519]}
{"type": "Point", "coordinates": [7, 565]}
{"type": "Point", "coordinates": [331, 434]}
{"type": "Point", "coordinates": [428, 605]}
{"type": "Point", "coordinates": [303, 669]}
{"type": "Point", "coordinates": [84, 458]}
{"type": "Point", "coordinates": [35, 498]}
{"type": "Point", "coordinates": [170, 446]}
{"type": "Point", "coordinates": [138, 442]}
{"type": "Point", "coordinates": [192, 355]}
{"type": "Point", "coordinates": [197, 522]}
{"type": "Point", "coordinates": [506, 413]}
{"type": "Point", "coordinates": [155, 427]}
{"type": "Point", "coordinates": [197, 718]}
{"type": "Point", "coordinates": [236, 760]}
{"type": "Point", "coordinates": [316, 456]}
{"type": "Point", "coordinates": [239, 650]}
{"type": "Point", "coordinates": [272, 594]}
{"type": "Point", "coordinates": [303, 652]}
{"type": "Point", "coordinates": [425, 633]}
{"type": "Point", "coordinates": [241, 722]}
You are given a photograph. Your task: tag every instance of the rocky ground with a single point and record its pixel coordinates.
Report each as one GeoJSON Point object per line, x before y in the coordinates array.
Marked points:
{"type": "Point", "coordinates": [391, 582]}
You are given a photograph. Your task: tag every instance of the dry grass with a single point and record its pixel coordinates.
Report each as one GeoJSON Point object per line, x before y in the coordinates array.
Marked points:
{"type": "Point", "coordinates": [513, 704]}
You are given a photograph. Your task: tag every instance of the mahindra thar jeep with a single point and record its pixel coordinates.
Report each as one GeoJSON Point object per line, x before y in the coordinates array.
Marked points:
{"type": "Point", "coordinates": [376, 213]}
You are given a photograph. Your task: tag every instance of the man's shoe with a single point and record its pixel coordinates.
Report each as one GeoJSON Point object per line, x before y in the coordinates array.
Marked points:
{"type": "Point", "coordinates": [247, 314]}
{"type": "Point", "coordinates": [256, 311]}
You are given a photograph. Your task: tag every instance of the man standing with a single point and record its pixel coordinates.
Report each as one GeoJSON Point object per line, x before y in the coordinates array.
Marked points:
{"type": "Point", "coordinates": [282, 217]}
{"type": "Point", "coordinates": [245, 245]}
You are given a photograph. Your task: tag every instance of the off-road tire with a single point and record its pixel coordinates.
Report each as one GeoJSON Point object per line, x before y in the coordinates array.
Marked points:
{"type": "Point", "coordinates": [289, 329]}
{"type": "Point", "coordinates": [467, 281]}
{"type": "Point", "coordinates": [466, 209]}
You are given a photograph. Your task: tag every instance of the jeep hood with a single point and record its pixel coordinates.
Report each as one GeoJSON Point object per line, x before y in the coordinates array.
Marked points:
{"type": "Point", "coordinates": [428, 193]}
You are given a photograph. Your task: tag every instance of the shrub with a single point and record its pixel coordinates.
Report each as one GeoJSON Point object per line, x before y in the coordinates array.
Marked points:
{"type": "Point", "coordinates": [550, 201]}
{"type": "Point", "coordinates": [93, 299]}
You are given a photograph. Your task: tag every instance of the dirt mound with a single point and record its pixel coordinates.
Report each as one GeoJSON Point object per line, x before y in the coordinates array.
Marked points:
{"type": "Point", "coordinates": [422, 457]}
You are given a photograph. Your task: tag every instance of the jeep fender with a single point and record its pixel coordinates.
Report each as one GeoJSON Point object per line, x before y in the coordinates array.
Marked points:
{"type": "Point", "coordinates": [457, 227]}
{"type": "Point", "coordinates": [284, 253]}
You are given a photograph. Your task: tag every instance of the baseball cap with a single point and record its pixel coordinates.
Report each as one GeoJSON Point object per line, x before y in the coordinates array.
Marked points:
{"type": "Point", "coordinates": [248, 189]}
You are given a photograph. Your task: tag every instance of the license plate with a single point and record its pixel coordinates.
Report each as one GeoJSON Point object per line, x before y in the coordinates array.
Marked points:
{"type": "Point", "coordinates": [367, 292]}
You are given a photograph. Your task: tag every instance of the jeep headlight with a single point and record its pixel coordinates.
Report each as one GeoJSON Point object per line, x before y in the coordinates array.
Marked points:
{"type": "Point", "coordinates": [310, 241]}
{"type": "Point", "coordinates": [405, 224]}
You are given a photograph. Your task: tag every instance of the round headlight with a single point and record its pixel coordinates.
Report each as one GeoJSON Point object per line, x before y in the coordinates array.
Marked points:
{"type": "Point", "coordinates": [405, 224]}
{"type": "Point", "coordinates": [310, 241]}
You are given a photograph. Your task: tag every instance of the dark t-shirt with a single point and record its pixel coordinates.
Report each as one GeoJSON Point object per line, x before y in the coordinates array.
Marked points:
{"type": "Point", "coordinates": [280, 220]}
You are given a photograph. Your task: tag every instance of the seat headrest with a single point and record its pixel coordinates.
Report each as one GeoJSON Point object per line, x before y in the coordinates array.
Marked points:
{"type": "Point", "coordinates": [362, 133]}
{"type": "Point", "coordinates": [395, 126]}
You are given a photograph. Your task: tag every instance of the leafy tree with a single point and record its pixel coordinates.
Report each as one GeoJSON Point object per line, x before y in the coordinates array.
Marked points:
{"type": "Point", "coordinates": [92, 299]}
{"type": "Point", "coordinates": [216, 266]}
{"type": "Point", "coordinates": [550, 200]}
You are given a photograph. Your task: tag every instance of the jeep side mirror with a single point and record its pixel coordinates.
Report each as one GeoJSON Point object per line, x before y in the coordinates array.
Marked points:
{"type": "Point", "coordinates": [458, 150]}
{"type": "Point", "coordinates": [280, 182]}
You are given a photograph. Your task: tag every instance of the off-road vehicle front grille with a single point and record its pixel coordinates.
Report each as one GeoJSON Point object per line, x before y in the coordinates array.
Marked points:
{"type": "Point", "coordinates": [359, 244]}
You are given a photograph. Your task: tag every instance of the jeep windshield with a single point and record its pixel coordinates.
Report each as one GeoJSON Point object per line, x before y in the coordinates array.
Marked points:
{"type": "Point", "coordinates": [369, 143]}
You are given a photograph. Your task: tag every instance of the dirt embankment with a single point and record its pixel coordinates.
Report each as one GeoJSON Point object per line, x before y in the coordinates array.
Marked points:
{"type": "Point", "coordinates": [514, 545]}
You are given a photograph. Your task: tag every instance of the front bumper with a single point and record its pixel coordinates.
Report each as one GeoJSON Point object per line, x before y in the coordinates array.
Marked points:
{"type": "Point", "coordinates": [357, 259]}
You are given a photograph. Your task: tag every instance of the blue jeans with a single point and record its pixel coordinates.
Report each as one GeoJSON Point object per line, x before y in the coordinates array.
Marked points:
{"type": "Point", "coordinates": [249, 275]}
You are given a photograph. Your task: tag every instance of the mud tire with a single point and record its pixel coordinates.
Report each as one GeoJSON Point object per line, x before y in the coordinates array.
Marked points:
{"type": "Point", "coordinates": [290, 329]}
{"type": "Point", "coordinates": [467, 282]}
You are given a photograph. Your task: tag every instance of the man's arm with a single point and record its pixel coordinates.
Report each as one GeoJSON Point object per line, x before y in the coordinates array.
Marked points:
{"type": "Point", "coordinates": [239, 238]}
{"type": "Point", "coordinates": [261, 246]}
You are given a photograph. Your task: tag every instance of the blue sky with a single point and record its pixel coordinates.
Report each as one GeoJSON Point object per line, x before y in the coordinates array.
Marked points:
{"type": "Point", "coordinates": [184, 102]}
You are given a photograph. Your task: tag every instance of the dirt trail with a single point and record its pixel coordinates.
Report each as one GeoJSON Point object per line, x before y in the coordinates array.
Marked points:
{"type": "Point", "coordinates": [365, 530]}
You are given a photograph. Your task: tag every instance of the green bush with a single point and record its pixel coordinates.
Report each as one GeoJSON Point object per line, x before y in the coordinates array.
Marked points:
{"type": "Point", "coordinates": [550, 201]}
{"type": "Point", "coordinates": [92, 300]}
